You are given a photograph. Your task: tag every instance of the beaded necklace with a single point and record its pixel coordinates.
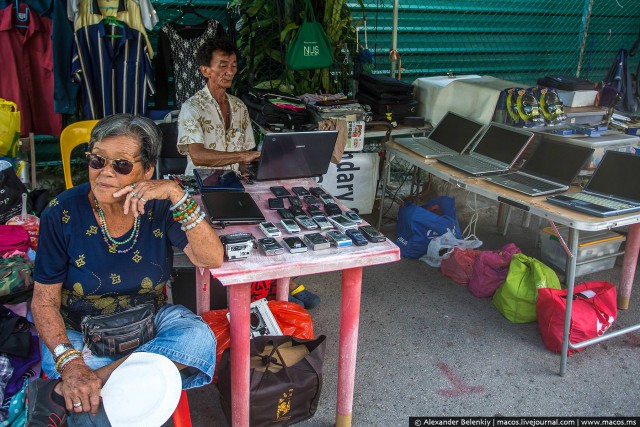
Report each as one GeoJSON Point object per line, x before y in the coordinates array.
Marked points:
{"type": "Point", "coordinates": [112, 243]}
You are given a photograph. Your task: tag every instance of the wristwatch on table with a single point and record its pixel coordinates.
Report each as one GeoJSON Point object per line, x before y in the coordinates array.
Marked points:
{"type": "Point", "coordinates": [61, 349]}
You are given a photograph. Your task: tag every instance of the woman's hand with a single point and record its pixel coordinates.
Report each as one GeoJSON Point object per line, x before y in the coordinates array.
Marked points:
{"type": "Point", "coordinates": [81, 385]}
{"type": "Point", "coordinates": [139, 193]}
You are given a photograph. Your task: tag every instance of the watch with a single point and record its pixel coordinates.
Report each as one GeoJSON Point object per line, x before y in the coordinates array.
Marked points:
{"type": "Point", "coordinates": [60, 349]}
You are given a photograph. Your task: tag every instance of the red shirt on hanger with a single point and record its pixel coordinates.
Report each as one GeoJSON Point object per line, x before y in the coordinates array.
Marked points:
{"type": "Point", "coordinates": [26, 67]}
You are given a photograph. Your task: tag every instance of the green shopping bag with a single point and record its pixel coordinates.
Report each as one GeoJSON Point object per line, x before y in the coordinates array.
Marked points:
{"type": "Point", "coordinates": [516, 298]}
{"type": "Point", "coordinates": [9, 128]}
{"type": "Point", "coordinates": [310, 47]}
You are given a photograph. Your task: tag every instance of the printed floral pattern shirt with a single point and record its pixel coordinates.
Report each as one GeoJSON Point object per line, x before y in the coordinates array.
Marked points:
{"type": "Point", "coordinates": [200, 122]}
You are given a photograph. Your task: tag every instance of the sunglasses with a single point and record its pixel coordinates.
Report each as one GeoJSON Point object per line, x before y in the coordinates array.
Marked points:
{"type": "Point", "coordinates": [120, 166]}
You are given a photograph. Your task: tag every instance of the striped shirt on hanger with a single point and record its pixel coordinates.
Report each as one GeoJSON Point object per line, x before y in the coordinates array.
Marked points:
{"type": "Point", "coordinates": [112, 65]}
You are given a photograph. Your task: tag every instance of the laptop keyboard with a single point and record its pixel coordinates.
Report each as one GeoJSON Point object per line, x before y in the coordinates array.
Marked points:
{"type": "Point", "coordinates": [474, 163]}
{"type": "Point", "coordinates": [532, 182]}
{"type": "Point", "coordinates": [597, 200]}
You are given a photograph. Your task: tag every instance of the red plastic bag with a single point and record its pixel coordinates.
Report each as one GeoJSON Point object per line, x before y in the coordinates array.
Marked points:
{"type": "Point", "coordinates": [13, 238]}
{"type": "Point", "coordinates": [592, 313]}
{"type": "Point", "coordinates": [490, 270]}
{"type": "Point", "coordinates": [291, 317]}
{"type": "Point", "coordinates": [459, 266]}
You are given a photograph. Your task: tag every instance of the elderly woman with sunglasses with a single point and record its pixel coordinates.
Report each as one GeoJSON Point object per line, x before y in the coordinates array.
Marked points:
{"type": "Point", "coordinates": [106, 246]}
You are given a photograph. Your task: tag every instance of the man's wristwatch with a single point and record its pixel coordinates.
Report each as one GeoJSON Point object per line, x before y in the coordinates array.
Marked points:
{"type": "Point", "coordinates": [61, 349]}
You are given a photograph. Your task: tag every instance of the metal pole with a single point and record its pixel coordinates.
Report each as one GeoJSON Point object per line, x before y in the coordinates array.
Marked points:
{"type": "Point", "coordinates": [394, 35]}
{"type": "Point", "coordinates": [588, 4]}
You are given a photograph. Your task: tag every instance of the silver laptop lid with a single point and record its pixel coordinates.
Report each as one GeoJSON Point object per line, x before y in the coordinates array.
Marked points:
{"type": "Point", "coordinates": [557, 161]}
{"type": "Point", "coordinates": [502, 143]}
{"type": "Point", "coordinates": [455, 131]}
{"type": "Point", "coordinates": [617, 176]}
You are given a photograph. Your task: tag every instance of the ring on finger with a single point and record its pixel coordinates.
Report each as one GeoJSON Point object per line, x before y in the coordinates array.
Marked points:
{"type": "Point", "coordinates": [143, 199]}
{"type": "Point", "coordinates": [133, 185]}
{"type": "Point", "coordinates": [77, 405]}
{"type": "Point", "coordinates": [134, 194]}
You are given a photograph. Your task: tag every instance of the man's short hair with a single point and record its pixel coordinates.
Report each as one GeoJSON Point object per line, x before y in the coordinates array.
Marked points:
{"type": "Point", "coordinates": [205, 53]}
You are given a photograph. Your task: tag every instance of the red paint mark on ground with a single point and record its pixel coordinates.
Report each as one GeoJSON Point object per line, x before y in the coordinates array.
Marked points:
{"type": "Point", "coordinates": [459, 388]}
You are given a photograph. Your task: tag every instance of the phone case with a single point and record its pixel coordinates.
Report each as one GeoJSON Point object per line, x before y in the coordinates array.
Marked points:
{"type": "Point", "coordinates": [300, 191]}
{"type": "Point", "coordinates": [275, 203]}
{"type": "Point", "coordinates": [279, 191]}
{"type": "Point", "coordinates": [285, 213]}
{"type": "Point", "coordinates": [295, 201]}
{"type": "Point", "coordinates": [294, 244]}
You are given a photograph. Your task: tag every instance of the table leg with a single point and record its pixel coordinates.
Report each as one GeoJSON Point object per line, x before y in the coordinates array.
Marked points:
{"type": "Point", "coordinates": [385, 174]}
{"type": "Point", "coordinates": [349, 319]}
{"type": "Point", "coordinates": [629, 266]}
{"type": "Point", "coordinates": [239, 301]}
{"type": "Point", "coordinates": [570, 283]}
{"type": "Point", "coordinates": [203, 290]}
{"type": "Point", "coordinates": [282, 290]}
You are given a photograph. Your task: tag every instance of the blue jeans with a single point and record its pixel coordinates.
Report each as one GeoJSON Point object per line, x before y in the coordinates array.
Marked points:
{"type": "Point", "coordinates": [181, 336]}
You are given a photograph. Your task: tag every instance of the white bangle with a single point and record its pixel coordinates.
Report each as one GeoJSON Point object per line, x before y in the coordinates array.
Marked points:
{"type": "Point", "coordinates": [184, 197]}
{"type": "Point", "coordinates": [194, 223]}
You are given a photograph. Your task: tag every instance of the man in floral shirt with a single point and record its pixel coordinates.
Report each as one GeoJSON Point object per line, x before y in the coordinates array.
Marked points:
{"type": "Point", "coordinates": [214, 129]}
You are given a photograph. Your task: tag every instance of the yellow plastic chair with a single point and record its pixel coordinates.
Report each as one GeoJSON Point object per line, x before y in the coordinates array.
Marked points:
{"type": "Point", "coordinates": [72, 136]}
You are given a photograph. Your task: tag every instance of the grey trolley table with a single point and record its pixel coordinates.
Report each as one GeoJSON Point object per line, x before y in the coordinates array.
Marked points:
{"type": "Point", "coordinates": [537, 206]}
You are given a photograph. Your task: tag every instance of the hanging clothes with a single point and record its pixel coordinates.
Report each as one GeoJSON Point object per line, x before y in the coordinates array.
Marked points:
{"type": "Point", "coordinates": [90, 12]}
{"type": "Point", "coordinates": [112, 65]}
{"type": "Point", "coordinates": [65, 91]}
{"type": "Point", "coordinates": [27, 70]}
{"type": "Point", "coordinates": [147, 12]}
{"type": "Point", "coordinates": [177, 45]}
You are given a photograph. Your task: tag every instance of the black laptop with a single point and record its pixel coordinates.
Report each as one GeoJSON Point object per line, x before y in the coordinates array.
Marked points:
{"type": "Point", "coordinates": [287, 155]}
{"type": "Point", "coordinates": [550, 169]}
{"type": "Point", "coordinates": [231, 208]}
{"type": "Point", "coordinates": [612, 190]}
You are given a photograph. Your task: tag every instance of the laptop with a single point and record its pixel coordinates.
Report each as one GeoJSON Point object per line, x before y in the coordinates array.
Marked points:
{"type": "Point", "coordinates": [287, 155]}
{"type": "Point", "coordinates": [497, 151]}
{"type": "Point", "coordinates": [551, 169]}
{"type": "Point", "coordinates": [452, 135]}
{"type": "Point", "coordinates": [231, 208]}
{"type": "Point", "coordinates": [217, 180]}
{"type": "Point", "coordinates": [612, 190]}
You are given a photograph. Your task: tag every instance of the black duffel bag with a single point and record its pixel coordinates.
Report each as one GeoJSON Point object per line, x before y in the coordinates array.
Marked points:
{"type": "Point", "coordinates": [389, 110]}
{"type": "Point", "coordinates": [264, 112]}
{"type": "Point", "coordinates": [384, 87]}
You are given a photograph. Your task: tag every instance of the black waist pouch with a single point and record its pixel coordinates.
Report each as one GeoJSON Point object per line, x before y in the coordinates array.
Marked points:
{"type": "Point", "coordinates": [119, 333]}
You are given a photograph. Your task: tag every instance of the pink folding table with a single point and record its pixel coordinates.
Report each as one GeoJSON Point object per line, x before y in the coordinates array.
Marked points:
{"type": "Point", "coordinates": [239, 274]}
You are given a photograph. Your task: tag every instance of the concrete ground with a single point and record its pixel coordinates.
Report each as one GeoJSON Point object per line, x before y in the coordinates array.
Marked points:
{"type": "Point", "coordinates": [427, 347]}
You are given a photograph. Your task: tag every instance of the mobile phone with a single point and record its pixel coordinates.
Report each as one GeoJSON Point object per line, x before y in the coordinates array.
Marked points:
{"type": "Point", "coordinates": [279, 191]}
{"type": "Point", "coordinates": [269, 229]}
{"type": "Point", "coordinates": [322, 222]}
{"type": "Point", "coordinates": [342, 223]}
{"type": "Point", "coordinates": [338, 239]}
{"type": "Point", "coordinates": [290, 225]}
{"type": "Point", "coordinates": [296, 211]}
{"type": "Point", "coordinates": [316, 241]}
{"type": "Point", "coordinates": [312, 201]}
{"type": "Point", "coordinates": [306, 222]}
{"type": "Point", "coordinates": [316, 191]}
{"type": "Point", "coordinates": [353, 216]}
{"type": "Point", "coordinates": [314, 210]}
{"type": "Point", "coordinates": [356, 237]}
{"type": "Point", "coordinates": [372, 234]}
{"type": "Point", "coordinates": [294, 244]}
{"type": "Point", "coordinates": [285, 213]}
{"type": "Point", "coordinates": [300, 191]}
{"type": "Point", "coordinates": [326, 198]}
{"type": "Point", "coordinates": [275, 203]}
{"type": "Point", "coordinates": [270, 246]}
{"type": "Point", "coordinates": [295, 201]}
{"type": "Point", "coordinates": [332, 209]}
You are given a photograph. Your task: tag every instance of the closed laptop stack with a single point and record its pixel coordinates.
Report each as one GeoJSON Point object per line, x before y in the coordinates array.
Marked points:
{"type": "Point", "coordinates": [389, 99]}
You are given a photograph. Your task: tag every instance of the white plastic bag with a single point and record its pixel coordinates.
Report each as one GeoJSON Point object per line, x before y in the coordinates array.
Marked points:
{"type": "Point", "coordinates": [441, 246]}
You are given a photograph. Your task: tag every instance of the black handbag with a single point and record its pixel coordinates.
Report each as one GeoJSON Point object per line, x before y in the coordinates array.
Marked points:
{"type": "Point", "coordinates": [119, 333]}
{"type": "Point", "coordinates": [286, 380]}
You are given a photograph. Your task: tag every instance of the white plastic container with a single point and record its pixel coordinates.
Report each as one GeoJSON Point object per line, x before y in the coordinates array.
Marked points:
{"type": "Point", "coordinates": [578, 98]}
{"type": "Point", "coordinates": [591, 246]}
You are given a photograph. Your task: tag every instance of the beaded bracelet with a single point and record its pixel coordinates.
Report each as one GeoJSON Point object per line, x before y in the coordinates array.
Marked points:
{"type": "Point", "coordinates": [188, 204]}
{"type": "Point", "coordinates": [67, 357]}
{"type": "Point", "coordinates": [184, 197]}
{"type": "Point", "coordinates": [193, 223]}
{"type": "Point", "coordinates": [184, 213]}
{"type": "Point", "coordinates": [190, 216]}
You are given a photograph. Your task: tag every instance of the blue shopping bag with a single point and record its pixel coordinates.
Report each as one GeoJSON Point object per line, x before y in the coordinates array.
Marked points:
{"type": "Point", "coordinates": [417, 225]}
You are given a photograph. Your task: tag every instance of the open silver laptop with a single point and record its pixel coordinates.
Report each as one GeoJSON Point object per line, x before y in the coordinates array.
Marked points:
{"type": "Point", "coordinates": [496, 151]}
{"type": "Point", "coordinates": [452, 135]}
{"type": "Point", "coordinates": [551, 169]}
{"type": "Point", "coordinates": [612, 190]}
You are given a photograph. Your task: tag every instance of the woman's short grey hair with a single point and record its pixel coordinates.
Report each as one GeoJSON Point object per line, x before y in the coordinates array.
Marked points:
{"type": "Point", "coordinates": [141, 128]}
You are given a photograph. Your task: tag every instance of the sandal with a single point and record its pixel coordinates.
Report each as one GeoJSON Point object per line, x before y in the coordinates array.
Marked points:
{"type": "Point", "coordinates": [43, 410]}
{"type": "Point", "coordinates": [309, 299]}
